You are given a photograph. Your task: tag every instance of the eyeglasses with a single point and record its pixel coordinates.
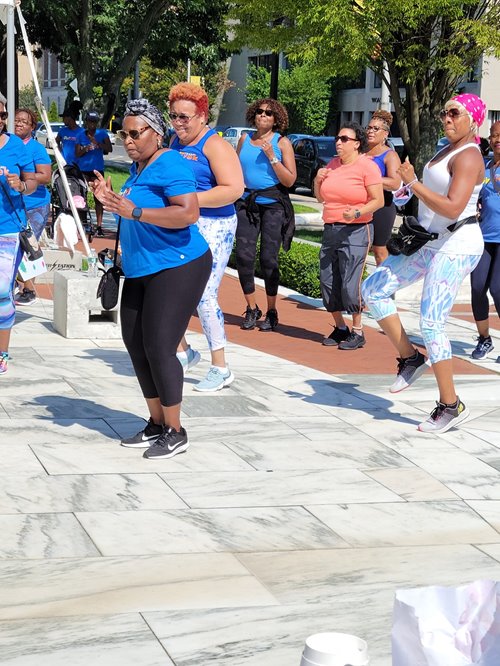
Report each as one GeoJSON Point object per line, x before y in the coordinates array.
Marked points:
{"type": "Point", "coordinates": [268, 112]}
{"type": "Point", "coordinates": [133, 134]}
{"type": "Point", "coordinates": [454, 113]}
{"type": "Point", "coordinates": [344, 138]}
{"type": "Point", "coordinates": [182, 117]}
{"type": "Point", "coordinates": [374, 128]}
{"type": "Point", "coordinates": [22, 122]}
{"type": "Point", "coordinates": [4, 115]}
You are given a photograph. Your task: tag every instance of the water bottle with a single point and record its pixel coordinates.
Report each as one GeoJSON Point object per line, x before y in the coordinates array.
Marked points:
{"type": "Point", "coordinates": [92, 263]}
{"type": "Point", "coordinates": [108, 261]}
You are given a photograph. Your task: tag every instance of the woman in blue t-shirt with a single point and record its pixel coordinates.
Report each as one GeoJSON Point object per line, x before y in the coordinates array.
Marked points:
{"type": "Point", "coordinates": [38, 203]}
{"type": "Point", "coordinates": [16, 179]}
{"type": "Point", "coordinates": [166, 262]}
{"type": "Point", "coordinates": [265, 209]}
{"type": "Point", "coordinates": [486, 276]}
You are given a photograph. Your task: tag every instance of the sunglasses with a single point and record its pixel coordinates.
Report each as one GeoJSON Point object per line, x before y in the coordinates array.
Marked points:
{"type": "Point", "coordinates": [4, 115]}
{"type": "Point", "coordinates": [183, 117]}
{"type": "Point", "coordinates": [344, 138]}
{"type": "Point", "coordinates": [133, 134]}
{"type": "Point", "coordinates": [454, 113]}
{"type": "Point", "coordinates": [268, 112]}
{"type": "Point", "coordinates": [373, 128]}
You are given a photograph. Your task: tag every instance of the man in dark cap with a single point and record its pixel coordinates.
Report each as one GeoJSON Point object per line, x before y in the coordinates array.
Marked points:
{"type": "Point", "coordinates": [91, 145]}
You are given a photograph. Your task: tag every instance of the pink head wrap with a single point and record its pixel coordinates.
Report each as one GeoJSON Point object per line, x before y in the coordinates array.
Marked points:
{"type": "Point", "coordinates": [474, 105]}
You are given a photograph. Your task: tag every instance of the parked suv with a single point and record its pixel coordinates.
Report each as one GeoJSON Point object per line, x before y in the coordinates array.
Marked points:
{"type": "Point", "coordinates": [232, 134]}
{"type": "Point", "coordinates": [311, 153]}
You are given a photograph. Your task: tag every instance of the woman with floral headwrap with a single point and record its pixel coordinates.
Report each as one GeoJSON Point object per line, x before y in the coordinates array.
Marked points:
{"type": "Point", "coordinates": [448, 195]}
{"type": "Point", "coordinates": [166, 262]}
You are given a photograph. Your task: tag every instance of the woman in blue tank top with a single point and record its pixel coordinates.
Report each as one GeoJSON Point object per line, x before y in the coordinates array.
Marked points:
{"type": "Point", "coordinates": [265, 209]}
{"type": "Point", "coordinates": [219, 183]}
{"type": "Point", "coordinates": [388, 162]}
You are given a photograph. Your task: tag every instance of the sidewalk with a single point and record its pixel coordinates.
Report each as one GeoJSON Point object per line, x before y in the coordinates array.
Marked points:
{"type": "Point", "coordinates": [306, 499]}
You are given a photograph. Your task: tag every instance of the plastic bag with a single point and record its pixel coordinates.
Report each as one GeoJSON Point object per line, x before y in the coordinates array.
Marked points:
{"type": "Point", "coordinates": [447, 626]}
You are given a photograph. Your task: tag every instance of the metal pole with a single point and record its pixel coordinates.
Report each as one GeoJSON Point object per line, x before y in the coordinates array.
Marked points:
{"type": "Point", "coordinates": [385, 101]}
{"type": "Point", "coordinates": [11, 68]}
{"type": "Point", "coordinates": [189, 70]}
{"type": "Point", "coordinates": [275, 66]}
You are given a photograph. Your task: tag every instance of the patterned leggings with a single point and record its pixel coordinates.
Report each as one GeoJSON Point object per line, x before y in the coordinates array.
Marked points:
{"type": "Point", "coordinates": [10, 257]}
{"type": "Point", "coordinates": [443, 274]}
{"type": "Point", "coordinates": [219, 234]}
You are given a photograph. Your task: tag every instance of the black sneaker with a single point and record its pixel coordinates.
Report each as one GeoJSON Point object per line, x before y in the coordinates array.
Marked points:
{"type": "Point", "coordinates": [144, 437]}
{"type": "Point", "coordinates": [251, 318]}
{"type": "Point", "coordinates": [270, 322]}
{"type": "Point", "coordinates": [353, 341]}
{"type": "Point", "coordinates": [26, 297]}
{"type": "Point", "coordinates": [409, 370]}
{"type": "Point", "coordinates": [99, 232]}
{"type": "Point", "coordinates": [483, 348]}
{"type": "Point", "coordinates": [336, 336]}
{"type": "Point", "coordinates": [168, 445]}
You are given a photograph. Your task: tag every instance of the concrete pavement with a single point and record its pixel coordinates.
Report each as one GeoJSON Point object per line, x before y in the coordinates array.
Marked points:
{"type": "Point", "coordinates": [305, 500]}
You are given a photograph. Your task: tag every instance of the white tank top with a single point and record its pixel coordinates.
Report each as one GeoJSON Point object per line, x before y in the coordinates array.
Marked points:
{"type": "Point", "coordinates": [466, 240]}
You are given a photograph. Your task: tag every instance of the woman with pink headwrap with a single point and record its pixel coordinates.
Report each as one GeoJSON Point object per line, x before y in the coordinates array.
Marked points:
{"type": "Point", "coordinates": [448, 195]}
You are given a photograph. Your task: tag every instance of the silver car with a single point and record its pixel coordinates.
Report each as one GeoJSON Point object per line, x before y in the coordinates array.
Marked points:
{"type": "Point", "coordinates": [41, 133]}
{"type": "Point", "coordinates": [232, 134]}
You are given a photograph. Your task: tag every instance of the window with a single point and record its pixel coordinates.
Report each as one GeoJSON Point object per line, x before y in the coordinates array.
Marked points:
{"type": "Point", "coordinates": [261, 61]}
{"type": "Point", "coordinates": [377, 81]}
{"type": "Point", "coordinates": [493, 117]}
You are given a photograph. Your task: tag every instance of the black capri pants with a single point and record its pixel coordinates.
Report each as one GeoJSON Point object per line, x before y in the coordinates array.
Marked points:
{"type": "Point", "coordinates": [383, 224]}
{"type": "Point", "coordinates": [155, 312]}
{"type": "Point", "coordinates": [486, 277]}
{"type": "Point", "coordinates": [272, 219]}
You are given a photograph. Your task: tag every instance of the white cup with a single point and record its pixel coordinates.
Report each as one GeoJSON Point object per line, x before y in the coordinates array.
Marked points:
{"type": "Point", "coordinates": [333, 649]}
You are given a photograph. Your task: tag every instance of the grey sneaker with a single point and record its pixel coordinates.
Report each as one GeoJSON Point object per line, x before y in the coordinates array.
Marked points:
{"type": "Point", "coordinates": [483, 348]}
{"type": "Point", "coordinates": [353, 341]}
{"type": "Point", "coordinates": [145, 437]}
{"type": "Point", "coordinates": [26, 297]}
{"type": "Point", "coordinates": [251, 318]}
{"type": "Point", "coordinates": [443, 418]}
{"type": "Point", "coordinates": [409, 370]}
{"type": "Point", "coordinates": [169, 444]}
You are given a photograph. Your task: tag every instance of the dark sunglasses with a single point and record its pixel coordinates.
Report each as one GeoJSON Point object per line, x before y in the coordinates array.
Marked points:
{"type": "Point", "coordinates": [183, 117]}
{"type": "Point", "coordinates": [268, 112]}
{"type": "Point", "coordinates": [344, 138]}
{"type": "Point", "coordinates": [454, 113]}
{"type": "Point", "coordinates": [4, 115]}
{"type": "Point", "coordinates": [133, 134]}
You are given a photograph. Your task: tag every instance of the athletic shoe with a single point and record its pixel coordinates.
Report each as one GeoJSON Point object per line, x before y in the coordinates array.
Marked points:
{"type": "Point", "coordinates": [189, 359]}
{"type": "Point", "coordinates": [168, 445]}
{"type": "Point", "coordinates": [251, 318]}
{"type": "Point", "coordinates": [144, 437]}
{"type": "Point", "coordinates": [99, 232]}
{"type": "Point", "coordinates": [443, 418]}
{"type": "Point", "coordinates": [26, 297]}
{"type": "Point", "coordinates": [270, 322]}
{"type": "Point", "coordinates": [409, 370]}
{"type": "Point", "coordinates": [483, 348]}
{"type": "Point", "coordinates": [353, 341]}
{"type": "Point", "coordinates": [215, 380]}
{"type": "Point", "coordinates": [336, 336]}
{"type": "Point", "coordinates": [4, 357]}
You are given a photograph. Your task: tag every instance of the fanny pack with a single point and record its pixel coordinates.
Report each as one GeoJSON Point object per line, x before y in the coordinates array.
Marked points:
{"type": "Point", "coordinates": [412, 236]}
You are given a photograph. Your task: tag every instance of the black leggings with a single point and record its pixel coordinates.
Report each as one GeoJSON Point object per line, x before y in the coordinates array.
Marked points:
{"type": "Point", "coordinates": [383, 223]}
{"type": "Point", "coordinates": [155, 312]}
{"type": "Point", "coordinates": [486, 277]}
{"type": "Point", "coordinates": [272, 218]}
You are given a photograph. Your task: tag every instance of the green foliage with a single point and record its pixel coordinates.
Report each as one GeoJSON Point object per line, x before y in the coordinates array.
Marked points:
{"type": "Point", "coordinates": [53, 113]}
{"type": "Point", "coordinates": [299, 269]}
{"type": "Point", "coordinates": [429, 46]}
{"type": "Point", "coordinates": [27, 97]}
{"type": "Point", "coordinates": [304, 91]}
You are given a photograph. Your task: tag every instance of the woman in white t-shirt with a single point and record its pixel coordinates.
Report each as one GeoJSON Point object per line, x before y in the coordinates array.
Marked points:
{"type": "Point", "coordinates": [448, 195]}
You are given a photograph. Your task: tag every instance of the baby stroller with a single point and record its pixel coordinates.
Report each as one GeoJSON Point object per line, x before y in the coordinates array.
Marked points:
{"type": "Point", "coordinates": [79, 189]}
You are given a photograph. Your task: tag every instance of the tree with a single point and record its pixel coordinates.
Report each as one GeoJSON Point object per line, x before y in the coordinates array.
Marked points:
{"type": "Point", "coordinates": [100, 40]}
{"type": "Point", "coordinates": [304, 93]}
{"type": "Point", "coordinates": [429, 46]}
{"type": "Point", "coordinates": [53, 113]}
{"type": "Point", "coordinates": [27, 97]}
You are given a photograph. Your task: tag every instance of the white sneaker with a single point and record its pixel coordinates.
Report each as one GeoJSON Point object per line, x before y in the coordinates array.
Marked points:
{"type": "Point", "coordinates": [409, 370]}
{"type": "Point", "coordinates": [189, 359]}
{"type": "Point", "coordinates": [443, 418]}
{"type": "Point", "coordinates": [215, 380]}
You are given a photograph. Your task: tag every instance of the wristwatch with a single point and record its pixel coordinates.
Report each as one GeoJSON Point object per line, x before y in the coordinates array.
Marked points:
{"type": "Point", "coordinates": [274, 160]}
{"type": "Point", "coordinates": [137, 213]}
{"type": "Point", "coordinates": [357, 214]}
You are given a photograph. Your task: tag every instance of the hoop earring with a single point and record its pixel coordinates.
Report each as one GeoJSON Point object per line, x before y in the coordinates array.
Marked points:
{"type": "Point", "coordinates": [158, 143]}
